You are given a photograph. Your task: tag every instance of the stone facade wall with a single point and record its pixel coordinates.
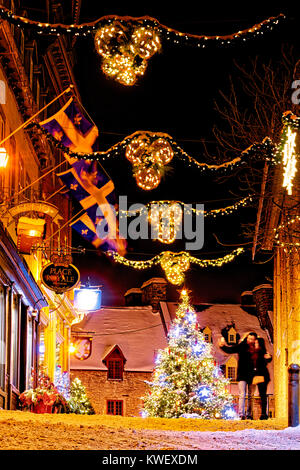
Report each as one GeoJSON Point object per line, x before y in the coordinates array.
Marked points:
{"type": "Point", "coordinates": [286, 323]}
{"type": "Point", "coordinates": [99, 389]}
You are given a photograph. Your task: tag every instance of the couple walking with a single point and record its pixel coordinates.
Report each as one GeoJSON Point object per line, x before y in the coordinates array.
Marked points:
{"type": "Point", "coordinates": [252, 370]}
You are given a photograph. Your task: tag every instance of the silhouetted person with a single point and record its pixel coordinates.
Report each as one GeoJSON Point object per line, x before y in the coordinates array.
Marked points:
{"type": "Point", "coordinates": [260, 360]}
{"type": "Point", "coordinates": [245, 370]}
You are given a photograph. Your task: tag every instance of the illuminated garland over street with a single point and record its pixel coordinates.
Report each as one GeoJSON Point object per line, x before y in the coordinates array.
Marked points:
{"type": "Point", "coordinates": [153, 150]}
{"type": "Point", "coordinates": [165, 32]}
{"type": "Point", "coordinates": [190, 210]}
{"type": "Point", "coordinates": [175, 264]}
{"type": "Point", "coordinates": [126, 43]}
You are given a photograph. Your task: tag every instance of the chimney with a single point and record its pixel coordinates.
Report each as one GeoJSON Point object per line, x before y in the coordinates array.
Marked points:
{"type": "Point", "coordinates": [133, 297]}
{"type": "Point", "coordinates": [247, 302]}
{"type": "Point", "coordinates": [154, 291]}
{"type": "Point", "coordinates": [263, 298]}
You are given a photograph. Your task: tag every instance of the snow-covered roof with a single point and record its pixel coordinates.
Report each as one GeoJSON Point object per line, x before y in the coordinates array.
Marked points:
{"type": "Point", "coordinates": [137, 331]}
{"type": "Point", "coordinates": [217, 317]}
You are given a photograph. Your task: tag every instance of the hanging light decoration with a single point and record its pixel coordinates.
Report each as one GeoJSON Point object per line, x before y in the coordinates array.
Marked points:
{"type": "Point", "coordinates": [30, 231]}
{"type": "Point", "coordinates": [162, 151]}
{"type": "Point", "coordinates": [289, 159]}
{"type": "Point", "coordinates": [148, 158]}
{"type": "Point", "coordinates": [110, 38]}
{"type": "Point", "coordinates": [175, 265]}
{"type": "Point", "coordinates": [145, 42]}
{"type": "Point", "coordinates": [147, 178]}
{"type": "Point", "coordinates": [136, 149]}
{"type": "Point", "coordinates": [123, 67]}
{"type": "Point", "coordinates": [166, 221]}
{"type": "Point", "coordinates": [125, 50]}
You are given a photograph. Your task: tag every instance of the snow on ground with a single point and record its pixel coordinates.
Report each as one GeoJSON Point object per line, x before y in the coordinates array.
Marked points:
{"type": "Point", "coordinates": [28, 431]}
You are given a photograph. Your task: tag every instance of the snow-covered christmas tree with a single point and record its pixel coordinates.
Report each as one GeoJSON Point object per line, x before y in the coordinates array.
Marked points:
{"type": "Point", "coordinates": [79, 402]}
{"type": "Point", "coordinates": [186, 382]}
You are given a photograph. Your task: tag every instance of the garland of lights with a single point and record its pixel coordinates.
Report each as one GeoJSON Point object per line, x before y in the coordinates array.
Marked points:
{"type": "Point", "coordinates": [190, 210]}
{"type": "Point", "coordinates": [280, 228]}
{"type": "Point", "coordinates": [151, 151]}
{"type": "Point", "coordinates": [165, 32]}
{"type": "Point", "coordinates": [175, 264]}
{"type": "Point", "coordinates": [126, 43]}
{"type": "Point", "coordinates": [165, 217]}
{"type": "Point", "coordinates": [286, 149]}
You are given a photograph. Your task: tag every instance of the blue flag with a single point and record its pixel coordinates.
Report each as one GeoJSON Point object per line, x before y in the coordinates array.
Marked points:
{"type": "Point", "coordinates": [85, 180]}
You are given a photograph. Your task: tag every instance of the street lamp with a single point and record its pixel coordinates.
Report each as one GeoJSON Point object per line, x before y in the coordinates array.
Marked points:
{"type": "Point", "coordinates": [87, 298]}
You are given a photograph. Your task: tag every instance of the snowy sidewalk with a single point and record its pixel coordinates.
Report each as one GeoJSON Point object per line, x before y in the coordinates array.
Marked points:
{"type": "Point", "coordinates": [28, 431]}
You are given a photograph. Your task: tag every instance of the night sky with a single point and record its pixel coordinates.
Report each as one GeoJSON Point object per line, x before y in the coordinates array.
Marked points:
{"type": "Point", "coordinates": [176, 95]}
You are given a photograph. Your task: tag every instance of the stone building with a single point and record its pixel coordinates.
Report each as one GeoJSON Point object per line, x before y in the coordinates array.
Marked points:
{"type": "Point", "coordinates": [116, 347]}
{"type": "Point", "coordinates": [277, 233]}
{"type": "Point", "coordinates": [35, 322]}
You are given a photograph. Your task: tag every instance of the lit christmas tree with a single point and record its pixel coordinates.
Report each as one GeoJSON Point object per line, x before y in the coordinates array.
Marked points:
{"type": "Point", "coordinates": [186, 381]}
{"type": "Point", "coordinates": [62, 382]}
{"type": "Point", "coordinates": [79, 402]}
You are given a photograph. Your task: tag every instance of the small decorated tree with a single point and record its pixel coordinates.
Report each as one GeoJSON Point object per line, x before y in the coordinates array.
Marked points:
{"type": "Point", "coordinates": [79, 402]}
{"type": "Point", "coordinates": [186, 382]}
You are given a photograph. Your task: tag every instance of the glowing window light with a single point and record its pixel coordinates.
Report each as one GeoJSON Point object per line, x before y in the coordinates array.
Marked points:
{"type": "Point", "coordinates": [4, 157]}
{"type": "Point", "coordinates": [87, 299]}
{"type": "Point", "coordinates": [72, 348]}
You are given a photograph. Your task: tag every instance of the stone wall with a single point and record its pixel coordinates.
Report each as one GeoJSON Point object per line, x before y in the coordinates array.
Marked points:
{"type": "Point", "coordinates": [154, 291]}
{"type": "Point", "coordinates": [99, 389]}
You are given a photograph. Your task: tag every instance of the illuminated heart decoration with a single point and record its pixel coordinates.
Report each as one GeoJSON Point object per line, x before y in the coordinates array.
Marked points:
{"type": "Point", "coordinates": [174, 266]}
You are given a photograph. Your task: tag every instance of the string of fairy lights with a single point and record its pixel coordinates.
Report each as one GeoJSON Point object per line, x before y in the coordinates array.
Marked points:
{"type": "Point", "coordinates": [151, 152]}
{"type": "Point", "coordinates": [175, 264]}
{"type": "Point", "coordinates": [127, 43]}
{"type": "Point", "coordinates": [287, 148]}
{"type": "Point", "coordinates": [282, 228]}
{"type": "Point", "coordinates": [168, 33]}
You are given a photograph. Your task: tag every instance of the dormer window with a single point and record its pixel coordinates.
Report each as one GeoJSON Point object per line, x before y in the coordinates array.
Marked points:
{"type": "Point", "coordinates": [115, 369]}
{"type": "Point", "coordinates": [232, 336]}
{"type": "Point", "coordinates": [114, 361]}
{"type": "Point", "coordinates": [207, 334]}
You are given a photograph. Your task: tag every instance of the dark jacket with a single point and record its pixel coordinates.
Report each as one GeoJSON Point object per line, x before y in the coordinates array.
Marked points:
{"type": "Point", "coordinates": [245, 369]}
{"type": "Point", "coordinates": [260, 366]}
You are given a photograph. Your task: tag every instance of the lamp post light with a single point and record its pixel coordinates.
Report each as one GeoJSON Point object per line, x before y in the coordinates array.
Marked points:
{"type": "Point", "coordinates": [87, 298]}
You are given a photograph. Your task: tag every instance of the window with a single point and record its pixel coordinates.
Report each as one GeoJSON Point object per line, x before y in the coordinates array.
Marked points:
{"type": "Point", "coordinates": [15, 341]}
{"type": "Point", "coordinates": [231, 373]}
{"type": "Point", "coordinates": [2, 338]}
{"type": "Point", "coordinates": [114, 361]}
{"type": "Point", "coordinates": [29, 355]}
{"type": "Point", "coordinates": [232, 335]}
{"type": "Point", "coordinates": [207, 334]}
{"type": "Point", "coordinates": [115, 407]}
{"type": "Point", "coordinates": [115, 369]}
{"type": "Point", "coordinates": [231, 369]}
